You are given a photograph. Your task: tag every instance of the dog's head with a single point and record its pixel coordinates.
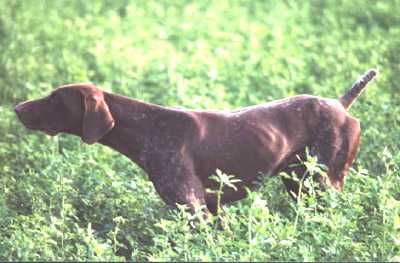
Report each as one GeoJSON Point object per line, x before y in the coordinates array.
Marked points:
{"type": "Point", "coordinates": [77, 108]}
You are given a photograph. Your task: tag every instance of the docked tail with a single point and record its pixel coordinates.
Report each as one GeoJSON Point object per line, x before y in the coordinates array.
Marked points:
{"type": "Point", "coordinates": [350, 96]}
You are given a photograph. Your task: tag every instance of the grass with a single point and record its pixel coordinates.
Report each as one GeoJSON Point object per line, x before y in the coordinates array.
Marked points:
{"type": "Point", "coordinates": [63, 200]}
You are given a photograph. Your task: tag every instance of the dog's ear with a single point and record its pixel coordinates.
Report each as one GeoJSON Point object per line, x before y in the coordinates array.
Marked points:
{"type": "Point", "coordinates": [97, 118]}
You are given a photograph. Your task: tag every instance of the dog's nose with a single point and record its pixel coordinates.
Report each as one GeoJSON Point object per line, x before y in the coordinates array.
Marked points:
{"type": "Point", "coordinates": [19, 107]}
{"type": "Point", "coordinates": [23, 113]}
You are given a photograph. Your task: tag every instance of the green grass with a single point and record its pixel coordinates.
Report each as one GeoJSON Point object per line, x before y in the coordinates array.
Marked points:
{"type": "Point", "coordinates": [63, 200]}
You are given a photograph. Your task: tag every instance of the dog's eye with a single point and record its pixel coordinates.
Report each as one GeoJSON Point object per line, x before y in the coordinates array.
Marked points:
{"type": "Point", "coordinates": [52, 99]}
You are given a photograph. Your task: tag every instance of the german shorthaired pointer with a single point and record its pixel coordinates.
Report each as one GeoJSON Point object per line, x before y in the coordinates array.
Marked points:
{"type": "Point", "coordinates": [179, 149]}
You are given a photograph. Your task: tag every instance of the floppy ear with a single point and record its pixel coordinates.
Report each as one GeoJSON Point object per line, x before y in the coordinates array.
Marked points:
{"type": "Point", "coordinates": [97, 118]}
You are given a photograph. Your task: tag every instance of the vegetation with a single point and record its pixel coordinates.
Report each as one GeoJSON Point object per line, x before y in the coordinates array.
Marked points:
{"type": "Point", "coordinates": [63, 200]}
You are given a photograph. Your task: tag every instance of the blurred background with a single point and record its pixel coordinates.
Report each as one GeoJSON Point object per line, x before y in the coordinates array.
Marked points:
{"type": "Point", "coordinates": [63, 200]}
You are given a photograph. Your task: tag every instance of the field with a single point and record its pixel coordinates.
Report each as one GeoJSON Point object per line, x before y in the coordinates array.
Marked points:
{"type": "Point", "coordinates": [61, 199]}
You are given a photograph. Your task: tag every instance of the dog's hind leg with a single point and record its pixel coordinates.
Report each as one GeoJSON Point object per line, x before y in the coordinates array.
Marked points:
{"type": "Point", "coordinates": [294, 168]}
{"type": "Point", "coordinates": [295, 172]}
{"type": "Point", "coordinates": [336, 148]}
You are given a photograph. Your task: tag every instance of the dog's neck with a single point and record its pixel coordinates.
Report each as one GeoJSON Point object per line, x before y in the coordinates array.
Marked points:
{"type": "Point", "coordinates": [134, 121]}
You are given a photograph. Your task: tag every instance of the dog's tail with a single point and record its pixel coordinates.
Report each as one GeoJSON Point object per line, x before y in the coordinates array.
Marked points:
{"type": "Point", "coordinates": [350, 96]}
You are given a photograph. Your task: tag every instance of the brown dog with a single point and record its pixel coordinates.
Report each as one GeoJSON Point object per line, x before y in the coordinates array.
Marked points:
{"type": "Point", "coordinates": [180, 149]}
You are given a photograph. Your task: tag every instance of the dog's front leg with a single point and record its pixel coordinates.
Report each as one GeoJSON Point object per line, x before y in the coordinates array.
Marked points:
{"type": "Point", "coordinates": [176, 182]}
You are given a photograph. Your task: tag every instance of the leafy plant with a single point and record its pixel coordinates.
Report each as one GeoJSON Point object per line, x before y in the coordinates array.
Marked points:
{"type": "Point", "coordinates": [222, 180]}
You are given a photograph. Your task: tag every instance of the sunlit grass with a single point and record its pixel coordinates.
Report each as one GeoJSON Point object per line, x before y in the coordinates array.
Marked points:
{"type": "Point", "coordinates": [63, 200]}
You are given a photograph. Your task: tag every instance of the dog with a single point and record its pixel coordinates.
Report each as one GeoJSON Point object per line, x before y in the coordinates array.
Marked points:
{"type": "Point", "coordinates": [179, 149]}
